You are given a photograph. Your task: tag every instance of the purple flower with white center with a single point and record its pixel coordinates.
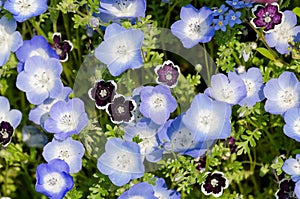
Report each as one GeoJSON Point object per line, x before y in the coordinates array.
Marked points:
{"type": "Point", "coordinates": [25, 9]}
{"type": "Point", "coordinates": [103, 93]}
{"type": "Point", "coordinates": [282, 93]}
{"type": "Point", "coordinates": [225, 90]}
{"type": "Point", "coordinates": [10, 39]}
{"type": "Point", "coordinates": [208, 119]}
{"type": "Point", "coordinates": [62, 48]}
{"type": "Point", "coordinates": [182, 140]}
{"type": "Point", "coordinates": [149, 144]}
{"type": "Point", "coordinates": [194, 26]}
{"type": "Point", "coordinates": [157, 103]}
{"type": "Point", "coordinates": [214, 184]}
{"type": "Point", "coordinates": [53, 179]}
{"type": "Point", "coordinates": [33, 137]}
{"type": "Point", "coordinates": [284, 33]}
{"type": "Point", "coordinates": [292, 123]}
{"type": "Point", "coordinates": [167, 74]}
{"type": "Point", "coordinates": [37, 46]}
{"type": "Point", "coordinates": [142, 190]}
{"type": "Point", "coordinates": [161, 190]}
{"type": "Point", "coordinates": [286, 189]}
{"type": "Point", "coordinates": [6, 133]}
{"type": "Point", "coordinates": [121, 49]}
{"type": "Point", "coordinates": [40, 113]}
{"type": "Point", "coordinates": [220, 11]}
{"type": "Point", "coordinates": [121, 109]}
{"type": "Point", "coordinates": [233, 18]}
{"type": "Point", "coordinates": [122, 161]}
{"type": "Point", "coordinates": [66, 118]}
{"type": "Point", "coordinates": [292, 167]}
{"type": "Point", "coordinates": [254, 86]}
{"type": "Point", "coordinates": [40, 79]}
{"type": "Point", "coordinates": [13, 117]}
{"type": "Point", "coordinates": [69, 150]}
{"type": "Point", "coordinates": [220, 23]}
{"type": "Point", "coordinates": [266, 17]}
{"type": "Point", "coordinates": [118, 9]}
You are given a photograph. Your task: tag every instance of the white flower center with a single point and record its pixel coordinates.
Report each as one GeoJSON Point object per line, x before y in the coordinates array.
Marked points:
{"type": "Point", "coordinates": [64, 154]}
{"type": "Point", "coordinates": [121, 50]}
{"type": "Point", "coordinates": [207, 121]}
{"type": "Point", "coordinates": [103, 93]}
{"type": "Point", "coordinates": [67, 122]}
{"type": "Point", "coordinates": [287, 98]}
{"type": "Point", "coordinates": [158, 101]}
{"type": "Point", "coordinates": [250, 86]}
{"type": "Point", "coordinates": [183, 139]}
{"type": "Point", "coordinates": [169, 76]}
{"type": "Point", "coordinates": [123, 162]}
{"type": "Point", "coordinates": [267, 17]}
{"type": "Point", "coordinates": [227, 93]}
{"type": "Point", "coordinates": [122, 4]}
{"type": "Point", "coordinates": [4, 133]}
{"type": "Point", "coordinates": [26, 6]}
{"type": "Point", "coordinates": [147, 145]}
{"type": "Point", "coordinates": [41, 80]}
{"type": "Point", "coordinates": [233, 18]}
{"type": "Point", "coordinates": [121, 109]}
{"type": "Point", "coordinates": [214, 182]}
{"type": "Point", "coordinates": [4, 38]}
{"type": "Point", "coordinates": [54, 182]}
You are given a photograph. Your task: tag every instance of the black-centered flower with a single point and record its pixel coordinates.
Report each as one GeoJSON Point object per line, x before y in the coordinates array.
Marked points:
{"type": "Point", "coordinates": [286, 189]}
{"type": "Point", "coordinates": [62, 48]}
{"type": "Point", "coordinates": [214, 184]}
{"type": "Point", "coordinates": [102, 93]}
{"type": "Point", "coordinates": [167, 74]}
{"type": "Point", "coordinates": [6, 133]}
{"type": "Point", "coordinates": [120, 110]}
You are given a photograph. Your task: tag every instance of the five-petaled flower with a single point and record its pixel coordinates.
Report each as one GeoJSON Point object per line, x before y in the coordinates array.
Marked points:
{"type": "Point", "coordinates": [6, 133]}
{"type": "Point", "coordinates": [286, 189]}
{"type": "Point", "coordinates": [292, 167]}
{"type": "Point", "coordinates": [62, 48]}
{"type": "Point", "coordinates": [103, 93]}
{"type": "Point", "coordinates": [167, 74]}
{"type": "Point", "coordinates": [214, 184]}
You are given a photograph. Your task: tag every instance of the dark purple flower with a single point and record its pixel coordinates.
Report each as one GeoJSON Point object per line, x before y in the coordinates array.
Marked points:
{"type": "Point", "coordinates": [214, 184]}
{"type": "Point", "coordinates": [167, 74]}
{"type": "Point", "coordinates": [6, 133]}
{"type": "Point", "coordinates": [286, 190]}
{"type": "Point", "coordinates": [61, 47]}
{"type": "Point", "coordinates": [267, 17]}
{"type": "Point", "coordinates": [201, 164]}
{"type": "Point", "coordinates": [120, 109]}
{"type": "Point", "coordinates": [103, 92]}
{"type": "Point", "coordinates": [231, 144]}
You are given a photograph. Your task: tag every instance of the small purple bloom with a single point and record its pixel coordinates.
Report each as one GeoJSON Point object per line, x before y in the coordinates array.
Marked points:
{"type": "Point", "coordinates": [220, 23]}
{"type": "Point", "coordinates": [292, 123]}
{"type": "Point", "coordinates": [142, 190]}
{"type": "Point", "coordinates": [267, 17]}
{"type": "Point", "coordinates": [292, 167]}
{"type": "Point", "coordinates": [194, 26]}
{"type": "Point", "coordinates": [103, 93]}
{"type": "Point", "coordinates": [40, 79]}
{"type": "Point", "coordinates": [121, 49]}
{"type": "Point", "coordinates": [286, 189]}
{"type": "Point", "coordinates": [284, 33]}
{"type": "Point", "coordinates": [53, 179]}
{"type": "Point", "coordinates": [167, 74]}
{"type": "Point", "coordinates": [230, 91]}
{"type": "Point", "coordinates": [62, 48]}
{"type": "Point", "coordinates": [69, 150]}
{"type": "Point", "coordinates": [66, 118]}
{"type": "Point", "coordinates": [214, 184]}
{"type": "Point", "coordinates": [233, 18]}
{"type": "Point", "coordinates": [282, 93]}
{"type": "Point", "coordinates": [33, 137]}
{"type": "Point", "coordinates": [122, 161]}
{"type": "Point", "coordinates": [6, 133]}
{"type": "Point", "coordinates": [121, 109]}
{"type": "Point", "coordinates": [157, 103]}
{"type": "Point", "coordinates": [25, 9]}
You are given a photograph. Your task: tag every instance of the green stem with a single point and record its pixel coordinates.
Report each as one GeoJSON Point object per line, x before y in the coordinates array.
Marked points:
{"type": "Point", "coordinates": [37, 27]}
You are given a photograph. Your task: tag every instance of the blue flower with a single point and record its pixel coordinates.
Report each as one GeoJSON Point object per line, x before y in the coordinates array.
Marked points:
{"type": "Point", "coordinates": [12, 116]}
{"type": "Point", "coordinates": [69, 150]}
{"type": "Point", "coordinates": [66, 118]}
{"type": "Point", "coordinates": [254, 85]}
{"type": "Point", "coordinates": [149, 144]}
{"type": "Point", "coordinates": [237, 4]}
{"type": "Point", "coordinates": [220, 23]}
{"type": "Point", "coordinates": [118, 9]}
{"type": "Point", "coordinates": [37, 46]}
{"type": "Point", "coordinates": [11, 39]}
{"type": "Point", "coordinates": [225, 90]}
{"type": "Point", "coordinates": [142, 190]}
{"type": "Point", "coordinates": [53, 179]}
{"type": "Point", "coordinates": [33, 137]}
{"type": "Point", "coordinates": [220, 11]}
{"type": "Point", "coordinates": [25, 9]}
{"type": "Point", "coordinates": [282, 93]}
{"type": "Point", "coordinates": [292, 167]}
{"type": "Point", "coordinates": [182, 140]}
{"type": "Point", "coordinates": [40, 113]}
{"type": "Point", "coordinates": [161, 190]}
{"type": "Point", "coordinates": [208, 119]}
{"type": "Point", "coordinates": [40, 79]}
{"type": "Point", "coordinates": [122, 161]}
{"type": "Point", "coordinates": [157, 103]}
{"type": "Point", "coordinates": [233, 18]}
{"type": "Point", "coordinates": [194, 26]}
{"type": "Point", "coordinates": [284, 33]}
{"type": "Point", "coordinates": [292, 123]}
{"type": "Point", "coordinates": [121, 49]}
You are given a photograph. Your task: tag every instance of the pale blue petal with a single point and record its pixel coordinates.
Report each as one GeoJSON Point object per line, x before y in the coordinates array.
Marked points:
{"type": "Point", "coordinates": [36, 98]}
{"type": "Point", "coordinates": [287, 80]}
{"type": "Point", "coordinates": [271, 89]}
{"type": "Point", "coordinates": [119, 179]}
{"type": "Point", "coordinates": [14, 117]}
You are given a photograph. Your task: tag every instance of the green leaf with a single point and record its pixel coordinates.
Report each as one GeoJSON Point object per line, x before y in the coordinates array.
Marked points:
{"type": "Point", "coordinates": [297, 11]}
{"type": "Point", "coordinates": [265, 52]}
